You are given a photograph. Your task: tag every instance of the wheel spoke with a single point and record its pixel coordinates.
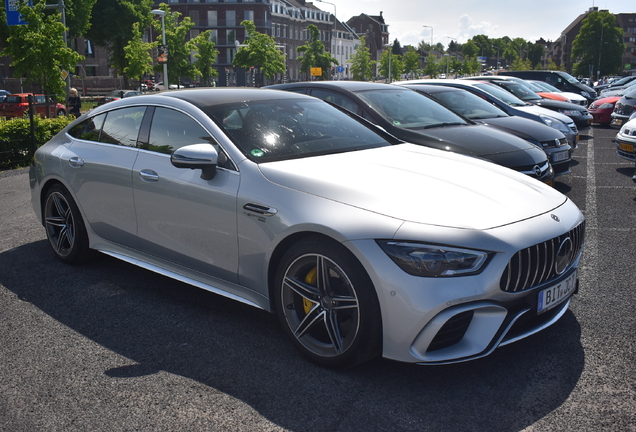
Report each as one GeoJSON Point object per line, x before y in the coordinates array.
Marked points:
{"type": "Point", "coordinates": [313, 318]}
{"type": "Point", "coordinates": [303, 289]}
{"type": "Point", "coordinates": [333, 330]}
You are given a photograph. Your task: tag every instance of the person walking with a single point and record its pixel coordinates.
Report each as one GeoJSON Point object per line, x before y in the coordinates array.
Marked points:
{"type": "Point", "coordinates": [74, 103]}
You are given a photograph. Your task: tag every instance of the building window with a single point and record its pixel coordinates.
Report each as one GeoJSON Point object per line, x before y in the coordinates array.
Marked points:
{"type": "Point", "coordinates": [212, 19]}
{"type": "Point", "coordinates": [88, 49]}
{"type": "Point", "coordinates": [214, 36]}
{"type": "Point", "coordinates": [230, 53]}
{"type": "Point", "coordinates": [194, 16]}
{"type": "Point", "coordinates": [249, 15]}
{"type": "Point", "coordinates": [230, 18]}
{"type": "Point", "coordinates": [231, 36]}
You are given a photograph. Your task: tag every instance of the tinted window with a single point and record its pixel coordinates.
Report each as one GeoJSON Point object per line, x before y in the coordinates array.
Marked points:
{"type": "Point", "coordinates": [409, 109]}
{"type": "Point", "coordinates": [89, 129]}
{"type": "Point", "coordinates": [337, 99]}
{"type": "Point", "coordinates": [172, 129]}
{"type": "Point", "coordinates": [468, 105]}
{"type": "Point", "coordinates": [122, 126]}
{"type": "Point", "coordinates": [281, 129]}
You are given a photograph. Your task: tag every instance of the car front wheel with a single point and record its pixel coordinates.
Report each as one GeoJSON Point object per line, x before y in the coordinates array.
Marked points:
{"type": "Point", "coordinates": [327, 304]}
{"type": "Point", "coordinates": [64, 227]}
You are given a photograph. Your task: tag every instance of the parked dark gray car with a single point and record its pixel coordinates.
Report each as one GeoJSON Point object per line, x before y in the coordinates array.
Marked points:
{"type": "Point", "coordinates": [415, 118]}
{"type": "Point", "coordinates": [477, 109]}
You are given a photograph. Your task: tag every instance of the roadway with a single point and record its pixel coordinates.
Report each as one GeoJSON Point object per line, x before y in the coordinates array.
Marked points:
{"type": "Point", "coordinates": [110, 347]}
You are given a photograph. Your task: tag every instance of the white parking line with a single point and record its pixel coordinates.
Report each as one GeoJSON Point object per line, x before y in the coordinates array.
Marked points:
{"type": "Point", "coordinates": [590, 254]}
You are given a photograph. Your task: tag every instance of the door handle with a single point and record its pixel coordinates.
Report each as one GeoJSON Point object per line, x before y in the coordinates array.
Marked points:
{"type": "Point", "coordinates": [76, 162]}
{"type": "Point", "coordinates": [148, 175]}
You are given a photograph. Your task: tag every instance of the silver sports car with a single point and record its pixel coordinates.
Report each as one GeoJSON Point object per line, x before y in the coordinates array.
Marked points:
{"type": "Point", "coordinates": [361, 244]}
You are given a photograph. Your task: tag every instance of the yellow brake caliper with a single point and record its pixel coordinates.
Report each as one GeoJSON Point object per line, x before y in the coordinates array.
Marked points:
{"type": "Point", "coordinates": [310, 279]}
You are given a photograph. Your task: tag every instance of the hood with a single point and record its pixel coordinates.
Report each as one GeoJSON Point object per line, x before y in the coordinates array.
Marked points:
{"type": "Point", "coordinates": [485, 142]}
{"type": "Point", "coordinates": [417, 184]}
{"type": "Point", "coordinates": [524, 128]}
{"type": "Point", "coordinates": [554, 104]}
{"type": "Point", "coordinates": [535, 109]}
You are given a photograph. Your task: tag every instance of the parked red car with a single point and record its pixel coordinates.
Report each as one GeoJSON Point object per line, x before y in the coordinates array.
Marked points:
{"type": "Point", "coordinates": [602, 109]}
{"type": "Point", "coordinates": [17, 105]}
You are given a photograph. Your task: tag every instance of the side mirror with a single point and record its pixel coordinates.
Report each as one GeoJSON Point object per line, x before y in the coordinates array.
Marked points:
{"type": "Point", "coordinates": [197, 156]}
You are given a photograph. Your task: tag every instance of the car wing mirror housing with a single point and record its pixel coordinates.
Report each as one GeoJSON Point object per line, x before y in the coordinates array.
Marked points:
{"type": "Point", "coordinates": [197, 156]}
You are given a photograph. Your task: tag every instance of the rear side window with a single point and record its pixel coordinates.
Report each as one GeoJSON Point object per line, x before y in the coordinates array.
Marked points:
{"type": "Point", "coordinates": [336, 99]}
{"type": "Point", "coordinates": [122, 126]}
{"type": "Point", "coordinates": [89, 129]}
{"type": "Point", "coordinates": [13, 99]}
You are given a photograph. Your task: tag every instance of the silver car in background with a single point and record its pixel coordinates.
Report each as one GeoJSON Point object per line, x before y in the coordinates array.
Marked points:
{"type": "Point", "coordinates": [362, 245]}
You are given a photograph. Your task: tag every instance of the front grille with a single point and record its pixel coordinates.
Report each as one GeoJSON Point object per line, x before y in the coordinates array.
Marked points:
{"type": "Point", "coordinates": [535, 265]}
{"type": "Point", "coordinates": [573, 128]}
{"type": "Point", "coordinates": [623, 109]}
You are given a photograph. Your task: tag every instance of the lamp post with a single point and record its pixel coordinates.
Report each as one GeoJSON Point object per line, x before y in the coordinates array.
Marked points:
{"type": "Point", "coordinates": [334, 30]}
{"type": "Point", "coordinates": [431, 27]}
{"type": "Point", "coordinates": [390, 47]}
{"type": "Point", "coordinates": [162, 14]}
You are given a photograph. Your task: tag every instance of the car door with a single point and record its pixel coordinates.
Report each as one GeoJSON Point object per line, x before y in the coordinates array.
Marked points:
{"type": "Point", "coordinates": [182, 218]}
{"type": "Point", "coordinates": [98, 166]}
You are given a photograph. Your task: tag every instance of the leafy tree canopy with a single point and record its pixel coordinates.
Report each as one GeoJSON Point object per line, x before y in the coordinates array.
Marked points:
{"type": "Point", "coordinates": [361, 64]}
{"type": "Point", "coordinates": [313, 54]}
{"type": "Point", "coordinates": [260, 52]}
{"type": "Point", "coordinates": [598, 46]}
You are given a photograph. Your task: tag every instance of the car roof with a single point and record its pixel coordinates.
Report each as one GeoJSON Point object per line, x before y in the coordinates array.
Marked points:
{"type": "Point", "coordinates": [353, 86]}
{"type": "Point", "coordinates": [431, 88]}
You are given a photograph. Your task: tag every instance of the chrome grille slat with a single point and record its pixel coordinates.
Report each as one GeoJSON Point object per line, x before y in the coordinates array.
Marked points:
{"type": "Point", "coordinates": [534, 265]}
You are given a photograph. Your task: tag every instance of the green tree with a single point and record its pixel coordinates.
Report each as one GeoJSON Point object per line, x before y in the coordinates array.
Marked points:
{"type": "Point", "coordinates": [361, 64]}
{"type": "Point", "coordinates": [470, 49]}
{"type": "Point", "coordinates": [111, 27]}
{"type": "Point", "coordinates": [411, 61]}
{"type": "Point", "coordinates": [179, 48]}
{"type": "Point", "coordinates": [599, 46]}
{"type": "Point", "coordinates": [138, 55]}
{"type": "Point", "coordinates": [535, 52]}
{"type": "Point", "coordinates": [78, 16]}
{"type": "Point", "coordinates": [313, 54]}
{"type": "Point", "coordinates": [397, 66]}
{"type": "Point", "coordinates": [206, 56]}
{"type": "Point", "coordinates": [260, 52]}
{"type": "Point", "coordinates": [519, 64]}
{"type": "Point", "coordinates": [38, 51]}
{"type": "Point", "coordinates": [431, 69]}
{"type": "Point", "coordinates": [471, 65]}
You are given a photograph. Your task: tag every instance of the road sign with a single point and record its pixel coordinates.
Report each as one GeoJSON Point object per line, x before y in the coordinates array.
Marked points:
{"type": "Point", "coordinates": [340, 69]}
{"type": "Point", "coordinates": [13, 16]}
{"type": "Point", "coordinates": [162, 54]}
{"type": "Point", "coordinates": [316, 71]}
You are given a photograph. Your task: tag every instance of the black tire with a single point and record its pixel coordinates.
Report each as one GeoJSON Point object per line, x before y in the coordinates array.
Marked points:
{"type": "Point", "coordinates": [61, 113]}
{"type": "Point", "coordinates": [327, 304]}
{"type": "Point", "coordinates": [65, 227]}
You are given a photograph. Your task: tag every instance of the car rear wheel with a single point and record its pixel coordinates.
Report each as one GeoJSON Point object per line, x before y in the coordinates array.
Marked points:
{"type": "Point", "coordinates": [65, 228]}
{"type": "Point", "coordinates": [327, 304]}
{"type": "Point", "coordinates": [61, 113]}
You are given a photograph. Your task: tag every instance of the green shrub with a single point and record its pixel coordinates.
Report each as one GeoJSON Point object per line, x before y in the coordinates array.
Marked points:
{"type": "Point", "coordinates": [16, 146]}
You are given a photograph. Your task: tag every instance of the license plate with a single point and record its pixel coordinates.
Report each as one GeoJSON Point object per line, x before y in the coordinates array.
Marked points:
{"type": "Point", "coordinates": [617, 122]}
{"type": "Point", "coordinates": [564, 155]}
{"type": "Point", "coordinates": [551, 297]}
{"type": "Point", "coordinates": [577, 138]}
{"type": "Point", "coordinates": [626, 147]}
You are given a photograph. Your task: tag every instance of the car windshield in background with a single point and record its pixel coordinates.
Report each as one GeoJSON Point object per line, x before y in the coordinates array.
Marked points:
{"type": "Point", "coordinates": [410, 110]}
{"type": "Point", "coordinates": [502, 94]}
{"type": "Point", "coordinates": [275, 130]}
{"type": "Point", "coordinates": [522, 92]}
{"type": "Point", "coordinates": [468, 105]}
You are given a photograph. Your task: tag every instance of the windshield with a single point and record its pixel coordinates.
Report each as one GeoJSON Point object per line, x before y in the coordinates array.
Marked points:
{"type": "Point", "coordinates": [522, 92]}
{"type": "Point", "coordinates": [569, 78]}
{"type": "Point", "coordinates": [500, 93]}
{"type": "Point", "coordinates": [410, 110]}
{"type": "Point", "coordinates": [631, 93]}
{"type": "Point", "coordinates": [282, 129]}
{"type": "Point", "coordinates": [547, 87]}
{"type": "Point", "coordinates": [469, 105]}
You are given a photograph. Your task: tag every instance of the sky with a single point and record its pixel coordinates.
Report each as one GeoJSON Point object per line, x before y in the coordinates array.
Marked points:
{"type": "Point", "coordinates": [460, 20]}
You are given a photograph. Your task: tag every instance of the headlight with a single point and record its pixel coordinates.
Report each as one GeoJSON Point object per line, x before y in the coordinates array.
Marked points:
{"type": "Point", "coordinates": [419, 259]}
{"type": "Point", "coordinates": [587, 95]}
{"type": "Point", "coordinates": [570, 112]}
{"type": "Point", "coordinates": [555, 123]}
{"type": "Point", "coordinates": [605, 106]}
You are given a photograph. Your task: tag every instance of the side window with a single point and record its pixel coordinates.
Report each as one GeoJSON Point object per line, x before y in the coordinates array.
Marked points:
{"type": "Point", "coordinates": [171, 130]}
{"type": "Point", "coordinates": [122, 126]}
{"type": "Point", "coordinates": [336, 99]}
{"type": "Point", "coordinates": [88, 129]}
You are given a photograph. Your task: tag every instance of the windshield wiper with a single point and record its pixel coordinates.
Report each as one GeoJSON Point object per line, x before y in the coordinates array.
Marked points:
{"type": "Point", "coordinates": [444, 125]}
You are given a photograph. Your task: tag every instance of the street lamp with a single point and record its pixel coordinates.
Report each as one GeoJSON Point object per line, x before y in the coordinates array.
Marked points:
{"type": "Point", "coordinates": [390, 47]}
{"type": "Point", "coordinates": [162, 14]}
{"type": "Point", "coordinates": [431, 27]}
{"type": "Point", "coordinates": [335, 29]}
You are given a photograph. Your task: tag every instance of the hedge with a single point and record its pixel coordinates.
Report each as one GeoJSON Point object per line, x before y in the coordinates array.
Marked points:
{"type": "Point", "coordinates": [16, 143]}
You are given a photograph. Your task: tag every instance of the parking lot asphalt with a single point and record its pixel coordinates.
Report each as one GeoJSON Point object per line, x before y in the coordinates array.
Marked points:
{"type": "Point", "coordinates": [107, 346]}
